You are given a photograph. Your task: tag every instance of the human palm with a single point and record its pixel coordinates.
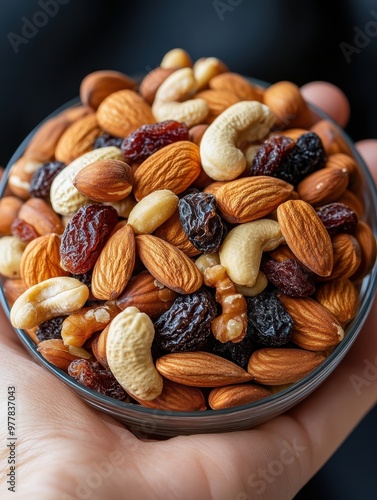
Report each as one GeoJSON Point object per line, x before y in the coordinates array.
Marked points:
{"type": "Point", "coordinates": [67, 450]}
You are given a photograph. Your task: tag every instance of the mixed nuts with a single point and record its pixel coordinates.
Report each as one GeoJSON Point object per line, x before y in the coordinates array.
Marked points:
{"type": "Point", "coordinates": [193, 241]}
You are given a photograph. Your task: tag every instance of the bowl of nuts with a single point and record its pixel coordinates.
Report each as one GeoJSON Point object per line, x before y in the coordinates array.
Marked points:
{"type": "Point", "coordinates": [192, 252]}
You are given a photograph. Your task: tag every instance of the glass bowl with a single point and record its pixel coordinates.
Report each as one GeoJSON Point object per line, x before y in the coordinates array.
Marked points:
{"type": "Point", "coordinates": [159, 423]}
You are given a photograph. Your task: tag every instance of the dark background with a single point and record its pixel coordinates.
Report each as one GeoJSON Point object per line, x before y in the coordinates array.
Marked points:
{"type": "Point", "coordinates": [271, 40]}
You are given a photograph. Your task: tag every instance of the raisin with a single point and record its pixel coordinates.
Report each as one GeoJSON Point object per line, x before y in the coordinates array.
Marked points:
{"type": "Point", "coordinates": [23, 230]}
{"type": "Point", "coordinates": [289, 277]}
{"type": "Point", "coordinates": [96, 378]}
{"type": "Point", "coordinates": [147, 139]}
{"type": "Point", "coordinates": [41, 181]}
{"type": "Point", "coordinates": [270, 155]}
{"type": "Point", "coordinates": [186, 326]}
{"type": "Point", "coordinates": [50, 329]}
{"type": "Point", "coordinates": [85, 278]}
{"type": "Point", "coordinates": [238, 352]}
{"type": "Point", "coordinates": [106, 140]}
{"type": "Point", "coordinates": [337, 218]}
{"type": "Point", "coordinates": [200, 221]}
{"type": "Point", "coordinates": [269, 324]}
{"type": "Point", "coordinates": [307, 156]}
{"type": "Point", "coordinates": [85, 236]}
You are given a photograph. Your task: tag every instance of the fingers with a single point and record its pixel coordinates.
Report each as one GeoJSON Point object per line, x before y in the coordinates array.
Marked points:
{"type": "Point", "coordinates": [329, 98]}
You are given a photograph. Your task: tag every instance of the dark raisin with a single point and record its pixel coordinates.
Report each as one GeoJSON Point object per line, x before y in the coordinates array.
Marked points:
{"type": "Point", "coordinates": [270, 155]}
{"type": "Point", "coordinates": [201, 222]}
{"type": "Point", "coordinates": [186, 326]}
{"type": "Point", "coordinates": [50, 329]}
{"type": "Point", "coordinates": [307, 156]}
{"type": "Point", "coordinates": [288, 277]}
{"type": "Point", "coordinates": [85, 236]}
{"type": "Point", "coordinates": [269, 324]}
{"type": "Point", "coordinates": [96, 378]}
{"type": "Point", "coordinates": [147, 139]}
{"type": "Point", "coordinates": [23, 230]}
{"type": "Point", "coordinates": [238, 352]}
{"type": "Point", "coordinates": [41, 181]}
{"type": "Point", "coordinates": [85, 278]}
{"type": "Point", "coordinates": [106, 140]}
{"type": "Point", "coordinates": [338, 218]}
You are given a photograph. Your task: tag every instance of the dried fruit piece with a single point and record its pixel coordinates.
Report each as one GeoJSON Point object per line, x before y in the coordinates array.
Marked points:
{"type": "Point", "coordinates": [147, 139]}
{"type": "Point", "coordinates": [50, 329]}
{"type": "Point", "coordinates": [107, 140]}
{"type": "Point", "coordinates": [41, 181]}
{"type": "Point", "coordinates": [186, 326]}
{"type": "Point", "coordinates": [23, 230]}
{"type": "Point", "coordinates": [238, 352]}
{"type": "Point", "coordinates": [338, 218]}
{"type": "Point", "coordinates": [269, 324]}
{"type": "Point", "coordinates": [85, 236]}
{"type": "Point", "coordinates": [289, 277]}
{"type": "Point", "coordinates": [201, 222]}
{"type": "Point", "coordinates": [97, 379]}
{"type": "Point", "coordinates": [270, 154]}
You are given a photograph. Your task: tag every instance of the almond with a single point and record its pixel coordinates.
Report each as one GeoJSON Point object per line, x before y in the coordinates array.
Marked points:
{"type": "Point", "coordinates": [353, 202]}
{"type": "Point", "coordinates": [218, 101]}
{"type": "Point", "coordinates": [77, 139]}
{"type": "Point", "coordinates": [105, 180]}
{"type": "Point", "coordinates": [340, 297]}
{"type": "Point", "coordinates": [168, 264]}
{"type": "Point", "coordinates": [41, 216]}
{"type": "Point", "coordinates": [123, 112]}
{"type": "Point", "coordinates": [98, 346]}
{"type": "Point", "coordinates": [151, 82]}
{"type": "Point", "coordinates": [55, 352]}
{"type": "Point", "coordinates": [238, 85]}
{"type": "Point", "coordinates": [306, 236]}
{"type": "Point", "coordinates": [324, 186]}
{"type": "Point", "coordinates": [331, 138]}
{"type": "Point", "coordinates": [41, 260]}
{"type": "Point", "coordinates": [147, 294]}
{"type": "Point", "coordinates": [213, 187]}
{"type": "Point", "coordinates": [172, 232]}
{"type": "Point", "coordinates": [314, 327]}
{"type": "Point", "coordinates": [114, 265]}
{"type": "Point", "coordinates": [236, 395]}
{"type": "Point", "coordinates": [275, 366]}
{"type": "Point", "coordinates": [96, 86]}
{"type": "Point", "coordinates": [251, 198]}
{"type": "Point", "coordinates": [347, 256]}
{"type": "Point", "coordinates": [173, 167]}
{"type": "Point", "coordinates": [368, 249]}
{"type": "Point", "coordinates": [176, 397]}
{"type": "Point", "coordinates": [343, 161]}
{"type": "Point", "coordinates": [200, 369]}
{"type": "Point", "coordinates": [196, 133]}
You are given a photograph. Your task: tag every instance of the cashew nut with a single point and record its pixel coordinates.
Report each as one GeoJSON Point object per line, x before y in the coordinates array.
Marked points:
{"type": "Point", "coordinates": [205, 69]}
{"type": "Point", "coordinates": [128, 352]}
{"type": "Point", "coordinates": [179, 86]}
{"type": "Point", "coordinates": [11, 250]}
{"type": "Point", "coordinates": [176, 58]}
{"type": "Point", "coordinates": [241, 251]}
{"type": "Point", "coordinates": [243, 121]}
{"type": "Point", "coordinates": [152, 211]}
{"type": "Point", "coordinates": [48, 299]}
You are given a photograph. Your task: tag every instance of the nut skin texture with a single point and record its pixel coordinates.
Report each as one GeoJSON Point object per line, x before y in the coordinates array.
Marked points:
{"type": "Point", "coordinates": [274, 366]}
{"type": "Point", "coordinates": [128, 352]}
{"type": "Point", "coordinates": [236, 395]}
{"type": "Point", "coordinates": [306, 236]}
{"type": "Point", "coordinates": [314, 327]}
{"type": "Point", "coordinates": [11, 250]}
{"type": "Point", "coordinates": [172, 232]}
{"type": "Point", "coordinates": [9, 208]}
{"type": "Point", "coordinates": [218, 101]}
{"type": "Point", "coordinates": [238, 85]}
{"type": "Point", "coordinates": [105, 180]}
{"type": "Point", "coordinates": [243, 121]}
{"type": "Point", "coordinates": [324, 186]}
{"type": "Point", "coordinates": [96, 86]}
{"type": "Point", "coordinates": [114, 265]}
{"type": "Point", "coordinates": [200, 369]}
{"type": "Point", "coordinates": [368, 247]}
{"type": "Point", "coordinates": [152, 211]}
{"type": "Point", "coordinates": [41, 260]}
{"type": "Point", "coordinates": [56, 353]}
{"type": "Point", "coordinates": [343, 161]}
{"type": "Point", "coordinates": [241, 251]}
{"type": "Point", "coordinates": [51, 298]}
{"type": "Point", "coordinates": [340, 297]}
{"type": "Point", "coordinates": [174, 167]}
{"type": "Point", "coordinates": [251, 198]}
{"type": "Point", "coordinates": [41, 216]}
{"type": "Point", "coordinates": [168, 264]}
{"type": "Point", "coordinates": [347, 256]}
{"type": "Point", "coordinates": [98, 346]}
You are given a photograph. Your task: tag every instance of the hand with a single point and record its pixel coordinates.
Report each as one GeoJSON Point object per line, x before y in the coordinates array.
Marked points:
{"type": "Point", "coordinates": [66, 450]}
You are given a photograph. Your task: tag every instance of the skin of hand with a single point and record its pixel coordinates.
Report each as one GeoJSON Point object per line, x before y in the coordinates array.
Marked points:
{"type": "Point", "coordinates": [67, 450]}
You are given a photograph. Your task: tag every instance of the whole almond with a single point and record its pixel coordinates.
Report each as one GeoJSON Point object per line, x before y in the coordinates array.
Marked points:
{"type": "Point", "coordinates": [123, 112]}
{"type": "Point", "coordinates": [314, 327]}
{"type": "Point", "coordinates": [340, 297]}
{"type": "Point", "coordinates": [168, 264]}
{"type": "Point", "coordinates": [96, 86]}
{"type": "Point", "coordinates": [172, 232]}
{"type": "Point", "coordinates": [200, 369]}
{"type": "Point", "coordinates": [238, 85]}
{"type": "Point", "coordinates": [151, 82]}
{"type": "Point", "coordinates": [105, 180]}
{"type": "Point", "coordinates": [306, 236]}
{"type": "Point", "coordinates": [341, 161]}
{"type": "Point", "coordinates": [114, 265]}
{"type": "Point", "coordinates": [173, 167]}
{"type": "Point", "coordinates": [41, 216]}
{"type": "Point", "coordinates": [56, 353]}
{"type": "Point", "coordinates": [275, 366]}
{"type": "Point", "coordinates": [368, 248]}
{"type": "Point", "coordinates": [98, 346]}
{"type": "Point", "coordinates": [236, 395]}
{"type": "Point", "coordinates": [324, 186]}
{"type": "Point", "coordinates": [41, 260]}
{"type": "Point", "coordinates": [251, 198]}
{"type": "Point", "coordinates": [347, 256]}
